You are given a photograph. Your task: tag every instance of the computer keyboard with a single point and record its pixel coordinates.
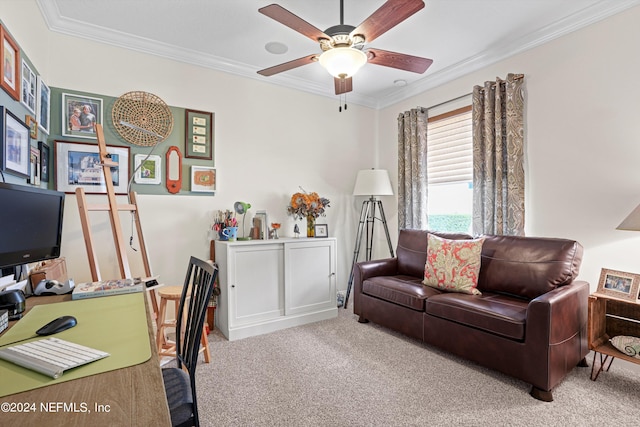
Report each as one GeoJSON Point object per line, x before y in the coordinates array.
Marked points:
{"type": "Point", "coordinates": [51, 356]}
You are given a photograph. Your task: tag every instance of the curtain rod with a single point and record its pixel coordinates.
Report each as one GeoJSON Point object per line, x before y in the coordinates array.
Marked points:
{"type": "Point", "coordinates": [516, 77]}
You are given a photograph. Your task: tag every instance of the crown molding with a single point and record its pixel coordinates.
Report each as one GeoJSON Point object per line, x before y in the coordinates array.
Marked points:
{"type": "Point", "coordinates": [581, 19]}
{"type": "Point", "coordinates": [587, 16]}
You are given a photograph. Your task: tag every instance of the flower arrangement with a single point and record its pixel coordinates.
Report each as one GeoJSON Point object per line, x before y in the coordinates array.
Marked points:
{"type": "Point", "coordinates": [305, 205]}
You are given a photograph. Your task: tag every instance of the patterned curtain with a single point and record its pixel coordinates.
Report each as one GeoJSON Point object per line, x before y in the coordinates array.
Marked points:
{"type": "Point", "coordinates": [498, 157]}
{"type": "Point", "coordinates": [412, 169]}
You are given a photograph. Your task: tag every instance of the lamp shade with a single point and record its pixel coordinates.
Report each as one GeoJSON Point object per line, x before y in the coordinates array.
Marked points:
{"type": "Point", "coordinates": [632, 221]}
{"type": "Point", "coordinates": [343, 62]}
{"type": "Point", "coordinates": [372, 182]}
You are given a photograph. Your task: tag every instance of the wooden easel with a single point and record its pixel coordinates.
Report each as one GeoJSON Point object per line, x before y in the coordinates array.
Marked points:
{"type": "Point", "coordinates": [113, 208]}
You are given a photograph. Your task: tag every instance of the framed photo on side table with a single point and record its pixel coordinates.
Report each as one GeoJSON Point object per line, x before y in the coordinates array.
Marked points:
{"type": "Point", "coordinates": [10, 60]}
{"type": "Point", "coordinates": [321, 230]}
{"type": "Point", "coordinates": [619, 284]}
{"type": "Point", "coordinates": [78, 166]}
{"type": "Point", "coordinates": [198, 135]}
{"type": "Point", "coordinates": [14, 149]}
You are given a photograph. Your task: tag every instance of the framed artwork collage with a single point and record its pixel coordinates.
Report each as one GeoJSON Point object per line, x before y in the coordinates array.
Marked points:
{"type": "Point", "coordinates": [48, 136]}
{"type": "Point", "coordinates": [24, 117]}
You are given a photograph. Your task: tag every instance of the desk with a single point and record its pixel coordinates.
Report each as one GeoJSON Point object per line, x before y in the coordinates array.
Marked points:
{"type": "Point", "coordinates": [132, 396]}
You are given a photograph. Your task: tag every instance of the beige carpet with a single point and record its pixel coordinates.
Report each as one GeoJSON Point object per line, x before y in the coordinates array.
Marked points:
{"type": "Point", "coordinates": [342, 373]}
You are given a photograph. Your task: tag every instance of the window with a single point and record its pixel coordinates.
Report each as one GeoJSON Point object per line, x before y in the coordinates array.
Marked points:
{"type": "Point", "coordinates": [450, 171]}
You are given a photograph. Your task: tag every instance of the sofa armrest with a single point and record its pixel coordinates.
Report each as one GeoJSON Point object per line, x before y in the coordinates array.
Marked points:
{"type": "Point", "coordinates": [366, 269]}
{"type": "Point", "coordinates": [558, 315]}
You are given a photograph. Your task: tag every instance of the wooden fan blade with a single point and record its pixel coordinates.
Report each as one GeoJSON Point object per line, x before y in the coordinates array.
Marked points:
{"type": "Point", "coordinates": [386, 17]}
{"type": "Point", "coordinates": [343, 85]}
{"type": "Point", "coordinates": [292, 21]}
{"type": "Point", "coordinates": [289, 65]}
{"type": "Point", "coordinates": [397, 60]}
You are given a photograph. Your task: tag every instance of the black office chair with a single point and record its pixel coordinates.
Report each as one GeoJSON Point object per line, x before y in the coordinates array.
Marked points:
{"type": "Point", "coordinates": [179, 385]}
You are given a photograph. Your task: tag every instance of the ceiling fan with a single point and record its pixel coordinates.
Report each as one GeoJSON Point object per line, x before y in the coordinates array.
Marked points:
{"type": "Point", "coordinates": [342, 45]}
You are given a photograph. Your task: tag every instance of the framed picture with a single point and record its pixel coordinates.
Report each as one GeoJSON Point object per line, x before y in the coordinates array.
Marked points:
{"type": "Point", "coordinates": [80, 114]}
{"type": "Point", "coordinates": [44, 161]}
{"type": "Point", "coordinates": [148, 169]}
{"type": "Point", "coordinates": [203, 179]}
{"type": "Point", "coordinates": [29, 87]}
{"type": "Point", "coordinates": [78, 166]}
{"type": "Point", "coordinates": [34, 167]}
{"type": "Point", "coordinates": [619, 284]}
{"type": "Point", "coordinates": [15, 144]}
{"type": "Point", "coordinates": [10, 60]}
{"type": "Point", "coordinates": [43, 110]}
{"type": "Point", "coordinates": [261, 224]}
{"type": "Point", "coordinates": [321, 230]}
{"type": "Point", "coordinates": [33, 126]}
{"type": "Point", "coordinates": [198, 135]}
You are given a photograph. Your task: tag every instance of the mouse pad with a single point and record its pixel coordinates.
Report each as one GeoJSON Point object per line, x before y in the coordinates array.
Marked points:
{"type": "Point", "coordinates": [115, 324]}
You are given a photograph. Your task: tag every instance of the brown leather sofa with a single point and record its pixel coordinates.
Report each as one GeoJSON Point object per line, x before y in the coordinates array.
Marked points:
{"type": "Point", "coordinates": [530, 321]}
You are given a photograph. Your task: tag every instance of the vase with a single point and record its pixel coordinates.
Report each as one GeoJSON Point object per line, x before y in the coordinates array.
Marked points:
{"type": "Point", "coordinates": [311, 222]}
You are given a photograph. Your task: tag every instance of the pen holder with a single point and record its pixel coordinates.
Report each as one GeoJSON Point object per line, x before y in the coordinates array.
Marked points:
{"type": "Point", "coordinates": [229, 233]}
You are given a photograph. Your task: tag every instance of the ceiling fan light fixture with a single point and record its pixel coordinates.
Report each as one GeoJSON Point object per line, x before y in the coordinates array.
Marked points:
{"type": "Point", "coordinates": [343, 62]}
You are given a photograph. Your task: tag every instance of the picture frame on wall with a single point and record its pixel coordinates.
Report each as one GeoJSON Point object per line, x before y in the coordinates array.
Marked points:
{"type": "Point", "coordinates": [78, 166]}
{"type": "Point", "coordinates": [148, 169]}
{"type": "Point", "coordinates": [34, 167]}
{"type": "Point", "coordinates": [619, 284]}
{"type": "Point", "coordinates": [203, 179]}
{"type": "Point", "coordinates": [33, 126]}
{"type": "Point", "coordinates": [43, 111]}
{"type": "Point", "coordinates": [29, 88]}
{"type": "Point", "coordinates": [198, 135]}
{"type": "Point", "coordinates": [10, 60]}
{"type": "Point", "coordinates": [44, 161]}
{"type": "Point", "coordinates": [15, 144]}
{"type": "Point", "coordinates": [80, 114]}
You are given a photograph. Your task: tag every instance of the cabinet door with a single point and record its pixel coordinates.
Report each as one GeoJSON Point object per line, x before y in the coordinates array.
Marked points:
{"type": "Point", "coordinates": [256, 286]}
{"type": "Point", "coordinates": [310, 280]}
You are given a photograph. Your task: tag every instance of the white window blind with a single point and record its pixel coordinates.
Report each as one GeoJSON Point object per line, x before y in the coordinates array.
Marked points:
{"type": "Point", "coordinates": [449, 148]}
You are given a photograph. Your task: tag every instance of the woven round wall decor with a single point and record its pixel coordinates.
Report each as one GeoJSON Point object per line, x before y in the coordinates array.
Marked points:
{"type": "Point", "coordinates": [145, 111]}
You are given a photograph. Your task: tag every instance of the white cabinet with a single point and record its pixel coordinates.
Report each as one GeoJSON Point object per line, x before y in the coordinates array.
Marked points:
{"type": "Point", "coordinates": [267, 285]}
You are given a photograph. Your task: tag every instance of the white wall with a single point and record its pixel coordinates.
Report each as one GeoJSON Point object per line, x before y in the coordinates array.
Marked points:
{"type": "Point", "coordinates": [582, 138]}
{"type": "Point", "coordinates": [581, 158]}
{"type": "Point", "coordinates": [268, 141]}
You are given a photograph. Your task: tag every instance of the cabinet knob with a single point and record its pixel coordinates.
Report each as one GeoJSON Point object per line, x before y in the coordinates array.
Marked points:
{"type": "Point", "coordinates": [233, 286]}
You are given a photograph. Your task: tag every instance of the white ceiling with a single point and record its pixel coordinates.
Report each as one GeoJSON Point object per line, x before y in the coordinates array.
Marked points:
{"type": "Point", "coordinates": [230, 35]}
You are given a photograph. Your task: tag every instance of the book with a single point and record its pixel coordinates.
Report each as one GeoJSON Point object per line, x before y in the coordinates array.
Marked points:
{"type": "Point", "coordinates": [109, 287]}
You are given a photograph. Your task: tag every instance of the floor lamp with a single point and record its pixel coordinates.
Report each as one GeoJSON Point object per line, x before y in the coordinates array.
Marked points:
{"type": "Point", "coordinates": [372, 183]}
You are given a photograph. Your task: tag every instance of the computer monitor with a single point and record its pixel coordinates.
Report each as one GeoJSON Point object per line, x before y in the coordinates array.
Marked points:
{"type": "Point", "coordinates": [30, 224]}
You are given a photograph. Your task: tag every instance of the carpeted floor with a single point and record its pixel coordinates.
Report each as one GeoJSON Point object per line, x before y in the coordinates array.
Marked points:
{"type": "Point", "coordinates": [342, 373]}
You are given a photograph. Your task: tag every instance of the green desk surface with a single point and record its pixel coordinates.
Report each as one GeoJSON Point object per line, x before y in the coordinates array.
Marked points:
{"type": "Point", "coordinates": [115, 324]}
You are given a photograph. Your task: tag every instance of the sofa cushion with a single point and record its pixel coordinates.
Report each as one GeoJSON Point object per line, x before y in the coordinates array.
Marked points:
{"type": "Point", "coordinates": [528, 266]}
{"type": "Point", "coordinates": [412, 250]}
{"type": "Point", "coordinates": [453, 265]}
{"type": "Point", "coordinates": [402, 290]}
{"type": "Point", "coordinates": [494, 313]}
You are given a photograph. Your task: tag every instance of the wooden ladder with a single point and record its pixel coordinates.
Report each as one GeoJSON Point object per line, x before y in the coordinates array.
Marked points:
{"type": "Point", "coordinates": [113, 208]}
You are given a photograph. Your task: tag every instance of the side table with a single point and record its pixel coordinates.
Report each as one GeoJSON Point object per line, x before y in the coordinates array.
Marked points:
{"type": "Point", "coordinates": [609, 317]}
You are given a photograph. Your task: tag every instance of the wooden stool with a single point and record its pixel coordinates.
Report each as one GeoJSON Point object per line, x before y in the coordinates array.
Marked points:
{"type": "Point", "coordinates": [166, 347]}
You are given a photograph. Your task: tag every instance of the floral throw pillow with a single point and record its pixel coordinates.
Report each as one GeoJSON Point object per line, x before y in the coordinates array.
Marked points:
{"type": "Point", "coordinates": [453, 265]}
{"type": "Point", "coordinates": [628, 345]}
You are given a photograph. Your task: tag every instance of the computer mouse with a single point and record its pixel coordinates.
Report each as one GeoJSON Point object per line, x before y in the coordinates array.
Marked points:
{"type": "Point", "coordinates": [57, 325]}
